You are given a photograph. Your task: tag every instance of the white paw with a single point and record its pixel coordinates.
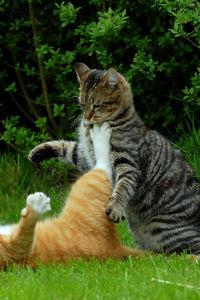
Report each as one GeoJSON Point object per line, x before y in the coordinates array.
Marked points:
{"type": "Point", "coordinates": [101, 133]}
{"type": "Point", "coordinates": [39, 202]}
{"type": "Point", "coordinates": [100, 136]}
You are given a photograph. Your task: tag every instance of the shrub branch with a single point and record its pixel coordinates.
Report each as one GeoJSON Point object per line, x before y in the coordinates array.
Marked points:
{"type": "Point", "coordinates": [23, 88]}
{"type": "Point", "coordinates": [41, 69]}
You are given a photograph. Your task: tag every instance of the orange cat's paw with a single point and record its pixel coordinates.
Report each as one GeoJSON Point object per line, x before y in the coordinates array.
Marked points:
{"type": "Point", "coordinates": [115, 211]}
{"type": "Point", "coordinates": [101, 133]}
{"type": "Point", "coordinates": [39, 202]}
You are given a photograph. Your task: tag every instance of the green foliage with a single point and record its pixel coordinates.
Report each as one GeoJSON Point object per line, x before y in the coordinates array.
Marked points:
{"type": "Point", "coordinates": [21, 137]}
{"type": "Point", "coordinates": [189, 144]}
{"type": "Point", "coordinates": [67, 13]}
{"type": "Point", "coordinates": [155, 44]}
{"type": "Point", "coordinates": [192, 93]}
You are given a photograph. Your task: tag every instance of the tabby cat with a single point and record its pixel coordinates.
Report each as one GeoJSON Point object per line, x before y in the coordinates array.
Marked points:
{"type": "Point", "coordinates": [81, 230]}
{"type": "Point", "coordinates": [153, 186]}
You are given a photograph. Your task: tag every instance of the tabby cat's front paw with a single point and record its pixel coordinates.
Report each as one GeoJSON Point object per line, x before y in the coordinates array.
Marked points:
{"type": "Point", "coordinates": [39, 202]}
{"type": "Point", "coordinates": [115, 211]}
{"type": "Point", "coordinates": [42, 152]}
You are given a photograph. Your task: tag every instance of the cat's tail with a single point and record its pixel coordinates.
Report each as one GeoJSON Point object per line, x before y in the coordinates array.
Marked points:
{"type": "Point", "coordinates": [134, 252]}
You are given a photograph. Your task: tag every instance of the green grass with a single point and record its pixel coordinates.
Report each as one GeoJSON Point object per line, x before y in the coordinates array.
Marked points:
{"type": "Point", "coordinates": [18, 178]}
{"type": "Point", "coordinates": [149, 278]}
{"type": "Point", "coordinates": [131, 279]}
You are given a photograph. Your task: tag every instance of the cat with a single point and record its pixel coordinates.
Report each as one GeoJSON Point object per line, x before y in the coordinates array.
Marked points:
{"type": "Point", "coordinates": [82, 230]}
{"type": "Point", "coordinates": [154, 187]}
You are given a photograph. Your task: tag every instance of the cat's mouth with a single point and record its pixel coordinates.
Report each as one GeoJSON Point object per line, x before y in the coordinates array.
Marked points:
{"type": "Point", "coordinates": [87, 123]}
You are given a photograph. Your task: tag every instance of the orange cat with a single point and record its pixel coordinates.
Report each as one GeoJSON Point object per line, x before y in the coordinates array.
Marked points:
{"type": "Point", "coordinates": [81, 230]}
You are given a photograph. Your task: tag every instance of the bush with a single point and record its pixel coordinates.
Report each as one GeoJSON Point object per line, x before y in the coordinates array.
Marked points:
{"type": "Point", "coordinates": [155, 44]}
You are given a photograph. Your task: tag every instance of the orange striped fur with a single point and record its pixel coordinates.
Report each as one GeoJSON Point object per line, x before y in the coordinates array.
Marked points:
{"type": "Point", "coordinates": [82, 230]}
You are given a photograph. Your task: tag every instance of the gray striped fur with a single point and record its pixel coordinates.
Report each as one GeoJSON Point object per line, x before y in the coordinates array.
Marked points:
{"type": "Point", "coordinates": [153, 185]}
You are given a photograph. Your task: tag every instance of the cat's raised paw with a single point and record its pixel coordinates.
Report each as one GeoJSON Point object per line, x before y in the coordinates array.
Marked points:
{"type": "Point", "coordinates": [115, 211]}
{"type": "Point", "coordinates": [42, 152]}
{"type": "Point", "coordinates": [39, 202]}
{"type": "Point", "coordinates": [100, 132]}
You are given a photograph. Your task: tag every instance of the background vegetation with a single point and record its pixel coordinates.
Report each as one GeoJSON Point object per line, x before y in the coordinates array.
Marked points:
{"type": "Point", "coordinates": [155, 44]}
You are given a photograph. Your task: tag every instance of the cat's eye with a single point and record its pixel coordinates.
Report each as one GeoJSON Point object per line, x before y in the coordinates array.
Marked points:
{"type": "Point", "coordinates": [96, 105]}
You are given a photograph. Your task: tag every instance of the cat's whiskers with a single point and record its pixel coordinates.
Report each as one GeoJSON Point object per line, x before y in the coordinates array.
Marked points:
{"type": "Point", "coordinates": [76, 120]}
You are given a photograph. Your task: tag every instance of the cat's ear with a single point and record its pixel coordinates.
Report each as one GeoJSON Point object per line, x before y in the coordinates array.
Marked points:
{"type": "Point", "coordinates": [112, 77]}
{"type": "Point", "coordinates": [81, 70]}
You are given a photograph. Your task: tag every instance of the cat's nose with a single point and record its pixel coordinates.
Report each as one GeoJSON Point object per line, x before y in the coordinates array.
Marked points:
{"type": "Point", "coordinates": [88, 115]}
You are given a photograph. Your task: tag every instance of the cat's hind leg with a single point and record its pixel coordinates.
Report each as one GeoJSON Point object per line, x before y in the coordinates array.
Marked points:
{"type": "Point", "coordinates": [36, 204]}
{"type": "Point", "coordinates": [15, 247]}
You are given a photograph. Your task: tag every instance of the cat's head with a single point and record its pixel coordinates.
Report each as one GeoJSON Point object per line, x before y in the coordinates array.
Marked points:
{"type": "Point", "coordinates": [104, 94]}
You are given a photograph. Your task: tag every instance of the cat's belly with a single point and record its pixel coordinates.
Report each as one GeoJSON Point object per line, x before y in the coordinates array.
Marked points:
{"type": "Point", "coordinates": [142, 233]}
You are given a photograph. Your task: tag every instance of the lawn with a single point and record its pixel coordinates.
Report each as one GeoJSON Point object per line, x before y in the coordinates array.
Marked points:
{"type": "Point", "coordinates": [130, 279]}
{"type": "Point", "coordinates": [160, 277]}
